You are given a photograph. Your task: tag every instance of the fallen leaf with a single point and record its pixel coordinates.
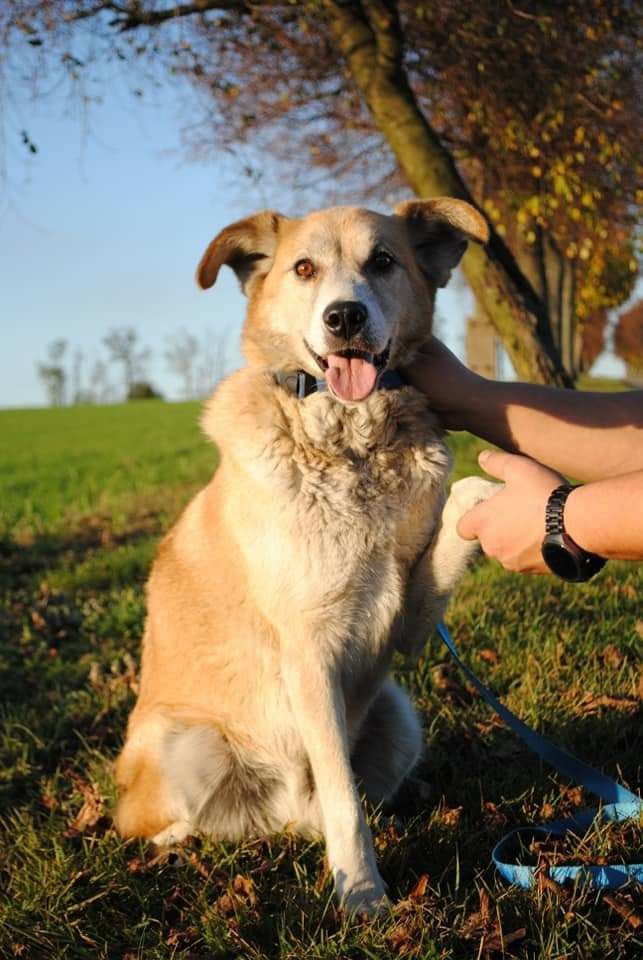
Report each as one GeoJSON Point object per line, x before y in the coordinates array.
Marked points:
{"type": "Point", "coordinates": [492, 817]}
{"type": "Point", "coordinates": [245, 889]}
{"type": "Point", "coordinates": [153, 857]}
{"type": "Point", "coordinates": [198, 865]}
{"type": "Point", "coordinates": [547, 811]}
{"type": "Point", "coordinates": [419, 890]}
{"type": "Point", "coordinates": [451, 817]}
{"type": "Point", "coordinates": [624, 909]}
{"type": "Point", "coordinates": [591, 704]}
{"type": "Point", "coordinates": [446, 683]}
{"type": "Point", "coordinates": [573, 795]}
{"type": "Point", "coordinates": [225, 904]}
{"type": "Point", "coordinates": [612, 656]}
{"type": "Point", "coordinates": [92, 812]}
{"type": "Point", "coordinates": [488, 655]}
{"type": "Point", "coordinates": [485, 906]}
{"type": "Point", "coordinates": [498, 942]}
{"type": "Point", "coordinates": [544, 881]}
{"type": "Point", "coordinates": [38, 621]}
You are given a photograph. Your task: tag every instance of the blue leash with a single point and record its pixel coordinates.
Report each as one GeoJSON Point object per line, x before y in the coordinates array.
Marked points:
{"type": "Point", "coordinates": [621, 804]}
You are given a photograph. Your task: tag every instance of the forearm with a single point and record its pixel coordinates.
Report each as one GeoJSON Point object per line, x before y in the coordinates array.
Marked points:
{"type": "Point", "coordinates": [606, 517]}
{"type": "Point", "coordinates": [584, 435]}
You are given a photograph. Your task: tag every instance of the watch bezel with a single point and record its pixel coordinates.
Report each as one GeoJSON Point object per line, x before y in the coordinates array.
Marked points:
{"type": "Point", "coordinates": [558, 545]}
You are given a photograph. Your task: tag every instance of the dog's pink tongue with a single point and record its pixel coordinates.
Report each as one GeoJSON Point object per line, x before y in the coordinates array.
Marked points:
{"type": "Point", "coordinates": [351, 378]}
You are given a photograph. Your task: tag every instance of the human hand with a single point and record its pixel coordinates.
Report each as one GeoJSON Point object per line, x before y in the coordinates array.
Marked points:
{"type": "Point", "coordinates": [510, 525]}
{"type": "Point", "coordinates": [450, 386]}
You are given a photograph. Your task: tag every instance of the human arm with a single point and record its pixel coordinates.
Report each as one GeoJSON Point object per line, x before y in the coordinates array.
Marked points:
{"type": "Point", "coordinates": [587, 435]}
{"type": "Point", "coordinates": [605, 517]}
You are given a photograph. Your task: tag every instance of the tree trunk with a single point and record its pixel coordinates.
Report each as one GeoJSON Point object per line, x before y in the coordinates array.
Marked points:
{"type": "Point", "coordinates": [372, 49]}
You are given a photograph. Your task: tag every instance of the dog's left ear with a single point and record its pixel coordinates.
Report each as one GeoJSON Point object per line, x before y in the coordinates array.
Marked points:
{"type": "Point", "coordinates": [247, 246]}
{"type": "Point", "coordinates": [439, 230]}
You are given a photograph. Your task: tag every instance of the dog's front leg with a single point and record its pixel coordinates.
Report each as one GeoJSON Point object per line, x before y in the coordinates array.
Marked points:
{"type": "Point", "coordinates": [440, 568]}
{"type": "Point", "coordinates": [318, 705]}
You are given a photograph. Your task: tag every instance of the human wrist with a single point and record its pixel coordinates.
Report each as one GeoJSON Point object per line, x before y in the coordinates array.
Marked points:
{"type": "Point", "coordinates": [580, 522]}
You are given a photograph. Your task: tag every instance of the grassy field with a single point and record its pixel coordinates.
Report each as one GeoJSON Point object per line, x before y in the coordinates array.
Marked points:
{"type": "Point", "coordinates": [84, 496]}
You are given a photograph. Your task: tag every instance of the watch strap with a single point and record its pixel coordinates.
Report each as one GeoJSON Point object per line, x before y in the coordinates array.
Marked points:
{"type": "Point", "coordinates": [555, 509]}
{"type": "Point", "coordinates": [586, 563]}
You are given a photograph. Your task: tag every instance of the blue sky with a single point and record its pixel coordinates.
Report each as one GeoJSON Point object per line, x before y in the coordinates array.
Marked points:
{"type": "Point", "coordinates": [104, 226]}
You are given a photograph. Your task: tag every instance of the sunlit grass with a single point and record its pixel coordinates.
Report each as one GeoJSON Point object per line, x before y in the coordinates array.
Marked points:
{"type": "Point", "coordinates": [86, 496]}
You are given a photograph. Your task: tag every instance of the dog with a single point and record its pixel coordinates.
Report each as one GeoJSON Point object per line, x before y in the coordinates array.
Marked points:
{"type": "Point", "coordinates": [323, 543]}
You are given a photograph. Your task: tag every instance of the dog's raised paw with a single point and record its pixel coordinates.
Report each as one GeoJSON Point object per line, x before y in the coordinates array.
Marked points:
{"type": "Point", "coordinates": [466, 493]}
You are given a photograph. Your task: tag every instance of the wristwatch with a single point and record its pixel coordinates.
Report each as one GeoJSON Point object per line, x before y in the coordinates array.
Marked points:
{"type": "Point", "coordinates": [561, 554]}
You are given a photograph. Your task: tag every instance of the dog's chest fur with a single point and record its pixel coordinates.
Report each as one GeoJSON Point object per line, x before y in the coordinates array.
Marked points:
{"type": "Point", "coordinates": [345, 498]}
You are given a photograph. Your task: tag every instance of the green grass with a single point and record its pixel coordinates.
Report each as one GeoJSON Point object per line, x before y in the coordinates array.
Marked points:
{"type": "Point", "coordinates": [85, 495]}
{"type": "Point", "coordinates": [64, 464]}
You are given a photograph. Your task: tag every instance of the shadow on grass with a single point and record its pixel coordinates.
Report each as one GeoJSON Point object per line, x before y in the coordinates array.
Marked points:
{"type": "Point", "coordinates": [23, 562]}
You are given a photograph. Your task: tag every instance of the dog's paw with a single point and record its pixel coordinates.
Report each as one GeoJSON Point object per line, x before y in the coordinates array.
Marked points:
{"type": "Point", "coordinates": [174, 834]}
{"type": "Point", "coordinates": [366, 900]}
{"type": "Point", "coordinates": [466, 493]}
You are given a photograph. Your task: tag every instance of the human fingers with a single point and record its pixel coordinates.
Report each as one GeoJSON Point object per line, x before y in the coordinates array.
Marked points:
{"type": "Point", "coordinates": [498, 463]}
{"type": "Point", "coordinates": [470, 522]}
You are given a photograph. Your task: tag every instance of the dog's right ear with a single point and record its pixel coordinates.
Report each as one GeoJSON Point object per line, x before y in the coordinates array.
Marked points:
{"type": "Point", "coordinates": [247, 246]}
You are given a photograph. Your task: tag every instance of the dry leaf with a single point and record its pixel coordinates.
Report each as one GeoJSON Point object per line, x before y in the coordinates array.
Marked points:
{"type": "Point", "coordinates": [590, 704]}
{"type": "Point", "coordinates": [493, 818]}
{"type": "Point", "coordinates": [488, 655]}
{"type": "Point", "coordinates": [245, 889]}
{"type": "Point", "coordinates": [92, 811]}
{"type": "Point", "coordinates": [419, 890]}
{"type": "Point", "coordinates": [38, 620]}
{"type": "Point", "coordinates": [498, 942]}
{"type": "Point", "coordinates": [573, 794]}
{"type": "Point", "coordinates": [547, 811]}
{"type": "Point", "coordinates": [451, 817]}
{"type": "Point", "coordinates": [447, 684]}
{"type": "Point", "coordinates": [485, 906]}
{"type": "Point", "coordinates": [612, 656]}
{"type": "Point", "coordinates": [152, 858]}
{"type": "Point", "coordinates": [225, 904]}
{"type": "Point", "coordinates": [624, 909]}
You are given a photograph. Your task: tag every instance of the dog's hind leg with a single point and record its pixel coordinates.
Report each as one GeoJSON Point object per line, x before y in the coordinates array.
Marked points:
{"type": "Point", "coordinates": [388, 746]}
{"type": "Point", "coordinates": [168, 776]}
{"type": "Point", "coordinates": [146, 807]}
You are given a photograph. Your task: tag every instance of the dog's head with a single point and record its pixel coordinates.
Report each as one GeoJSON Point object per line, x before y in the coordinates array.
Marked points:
{"type": "Point", "coordinates": [343, 292]}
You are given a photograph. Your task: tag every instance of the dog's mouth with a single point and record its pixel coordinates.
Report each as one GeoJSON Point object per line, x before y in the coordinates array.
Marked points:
{"type": "Point", "coordinates": [351, 374]}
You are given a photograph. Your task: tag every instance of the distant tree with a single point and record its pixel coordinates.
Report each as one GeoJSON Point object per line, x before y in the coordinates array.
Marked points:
{"type": "Point", "coordinates": [182, 358]}
{"type": "Point", "coordinates": [123, 346]}
{"type": "Point", "coordinates": [628, 340]}
{"type": "Point", "coordinates": [211, 364]}
{"type": "Point", "coordinates": [53, 374]}
{"type": "Point", "coordinates": [78, 395]}
{"type": "Point", "coordinates": [100, 389]}
{"type": "Point", "coordinates": [142, 390]}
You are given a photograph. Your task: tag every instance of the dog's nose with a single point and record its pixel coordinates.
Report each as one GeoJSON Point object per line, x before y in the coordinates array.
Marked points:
{"type": "Point", "coordinates": [344, 318]}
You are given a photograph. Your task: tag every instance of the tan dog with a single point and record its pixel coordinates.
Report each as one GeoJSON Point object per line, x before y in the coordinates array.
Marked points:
{"type": "Point", "coordinates": [320, 546]}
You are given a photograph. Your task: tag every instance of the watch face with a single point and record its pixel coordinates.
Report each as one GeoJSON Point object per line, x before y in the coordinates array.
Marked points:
{"type": "Point", "coordinates": [563, 563]}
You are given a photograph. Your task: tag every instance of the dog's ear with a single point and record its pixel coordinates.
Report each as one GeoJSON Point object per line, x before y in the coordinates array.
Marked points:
{"type": "Point", "coordinates": [439, 230]}
{"type": "Point", "coordinates": [248, 246]}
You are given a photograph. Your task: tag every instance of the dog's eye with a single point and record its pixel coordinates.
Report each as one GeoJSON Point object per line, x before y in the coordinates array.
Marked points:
{"type": "Point", "coordinates": [381, 261]}
{"type": "Point", "coordinates": [305, 269]}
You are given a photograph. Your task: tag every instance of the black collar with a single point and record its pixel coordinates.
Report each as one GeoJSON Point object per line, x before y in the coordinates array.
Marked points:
{"type": "Point", "coordinates": [302, 384]}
